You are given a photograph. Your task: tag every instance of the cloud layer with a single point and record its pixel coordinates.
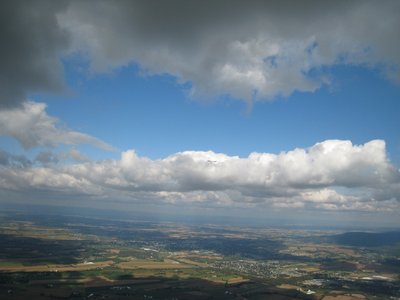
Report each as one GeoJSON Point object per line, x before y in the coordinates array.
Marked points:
{"type": "Point", "coordinates": [331, 175]}
{"type": "Point", "coordinates": [250, 50]}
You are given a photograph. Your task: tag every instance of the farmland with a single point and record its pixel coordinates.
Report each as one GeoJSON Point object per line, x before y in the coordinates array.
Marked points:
{"type": "Point", "coordinates": [72, 257]}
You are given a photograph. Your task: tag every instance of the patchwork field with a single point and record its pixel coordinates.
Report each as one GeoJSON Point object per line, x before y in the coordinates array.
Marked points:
{"type": "Point", "coordinates": [82, 258]}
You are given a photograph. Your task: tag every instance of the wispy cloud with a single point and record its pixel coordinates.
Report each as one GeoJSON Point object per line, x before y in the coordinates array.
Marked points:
{"type": "Point", "coordinates": [32, 127]}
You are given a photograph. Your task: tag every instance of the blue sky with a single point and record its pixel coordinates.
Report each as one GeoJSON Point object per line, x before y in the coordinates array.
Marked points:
{"type": "Point", "coordinates": [155, 116]}
{"type": "Point", "coordinates": [216, 108]}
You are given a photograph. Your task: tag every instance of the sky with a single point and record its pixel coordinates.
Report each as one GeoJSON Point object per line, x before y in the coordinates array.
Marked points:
{"type": "Point", "coordinates": [283, 112]}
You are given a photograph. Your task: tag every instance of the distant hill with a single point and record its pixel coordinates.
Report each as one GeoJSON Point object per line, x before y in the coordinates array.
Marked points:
{"type": "Point", "coordinates": [367, 239]}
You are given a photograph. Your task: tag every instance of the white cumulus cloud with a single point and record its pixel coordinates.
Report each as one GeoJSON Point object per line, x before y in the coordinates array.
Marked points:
{"type": "Point", "coordinates": [331, 175]}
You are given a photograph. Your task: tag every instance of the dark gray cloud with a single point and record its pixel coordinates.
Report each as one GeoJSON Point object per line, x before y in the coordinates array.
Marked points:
{"type": "Point", "coordinates": [31, 43]}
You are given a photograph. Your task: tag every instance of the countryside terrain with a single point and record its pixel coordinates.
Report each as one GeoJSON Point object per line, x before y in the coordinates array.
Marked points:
{"type": "Point", "coordinates": [75, 257]}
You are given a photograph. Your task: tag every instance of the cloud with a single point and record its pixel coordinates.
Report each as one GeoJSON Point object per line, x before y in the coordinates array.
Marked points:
{"type": "Point", "coordinates": [249, 50]}
{"type": "Point", "coordinates": [8, 159]}
{"type": "Point", "coordinates": [256, 49]}
{"type": "Point", "coordinates": [32, 127]}
{"type": "Point", "coordinates": [49, 157]}
{"type": "Point", "coordinates": [30, 50]}
{"type": "Point", "coordinates": [77, 156]}
{"type": "Point", "coordinates": [333, 174]}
